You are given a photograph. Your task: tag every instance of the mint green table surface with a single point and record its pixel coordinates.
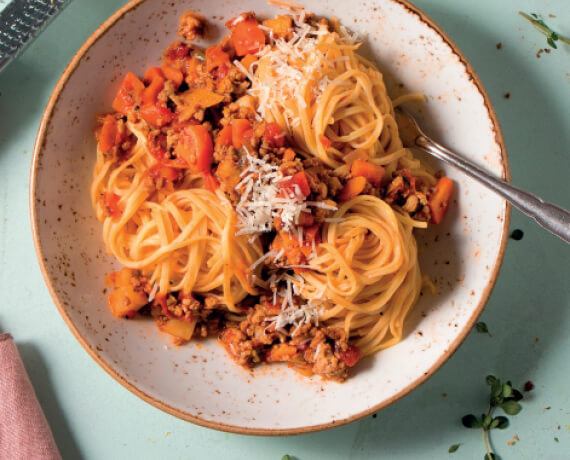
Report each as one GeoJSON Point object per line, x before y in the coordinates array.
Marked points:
{"type": "Point", "coordinates": [528, 314]}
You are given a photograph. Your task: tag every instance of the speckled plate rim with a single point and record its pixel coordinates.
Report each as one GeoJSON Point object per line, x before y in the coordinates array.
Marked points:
{"type": "Point", "coordinates": [38, 147]}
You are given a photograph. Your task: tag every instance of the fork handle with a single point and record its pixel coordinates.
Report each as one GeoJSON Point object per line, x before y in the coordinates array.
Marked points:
{"type": "Point", "coordinates": [553, 218]}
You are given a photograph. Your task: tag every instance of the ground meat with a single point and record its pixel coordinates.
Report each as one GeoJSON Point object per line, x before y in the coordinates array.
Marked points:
{"type": "Point", "coordinates": [406, 193]}
{"type": "Point", "coordinates": [192, 25]}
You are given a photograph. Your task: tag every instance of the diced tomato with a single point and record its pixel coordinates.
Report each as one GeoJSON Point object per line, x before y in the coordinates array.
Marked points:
{"type": "Point", "coordinates": [172, 74]}
{"type": "Point", "coordinates": [156, 115]}
{"type": "Point", "coordinates": [109, 135]}
{"type": "Point", "coordinates": [216, 57]}
{"type": "Point", "coordinates": [300, 180]}
{"type": "Point", "coordinates": [195, 146]}
{"type": "Point", "coordinates": [150, 93]}
{"type": "Point", "coordinates": [273, 135]}
{"type": "Point", "coordinates": [224, 137]}
{"type": "Point", "coordinates": [220, 73]}
{"type": "Point", "coordinates": [151, 74]}
{"type": "Point", "coordinates": [159, 170]}
{"type": "Point", "coordinates": [325, 141]}
{"type": "Point", "coordinates": [371, 172]}
{"type": "Point", "coordinates": [241, 131]}
{"type": "Point", "coordinates": [129, 94]}
{"type": "Point", "coordinates": [351, 355]}
{"type": "Point", "coordinates": [247, 37]}
{"type": "Point", "coordinates": [439, 200]}
{"type": "Point", "coordinates": [111, 203]}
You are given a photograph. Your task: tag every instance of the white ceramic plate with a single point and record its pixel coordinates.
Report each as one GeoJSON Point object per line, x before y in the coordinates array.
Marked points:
{"type": "Point", "coordinates": [199, 382]}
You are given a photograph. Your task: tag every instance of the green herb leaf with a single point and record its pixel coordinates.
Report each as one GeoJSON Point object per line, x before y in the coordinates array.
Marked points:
{"type": "Point", "coordinates": [540, 25]}
{"type": "Point", "coordinates": [507, 390]}
{"type": "Point", "coordinates": [482, 328]}
{"type": "Point", "coordinates": [490, 456]}
{"type": "Point", "coordinates": [556, 440]}
{"type": "Point", "coordinates": [470, 421]}
{"type": "Point", "coordinates": [453, 448]}
{"type": "Point", "coordinates": [550, 41]}
{"type": "Point", "coordinates": [502, 422]}
{"type": "Point", "coordinates": [487, 421]}
{"type": "Point", "coordinates": [287, 457]}
{"type": "Point", "coordinates": [490, 379]}
{"type": "Point", "coordinates": [511, 407]}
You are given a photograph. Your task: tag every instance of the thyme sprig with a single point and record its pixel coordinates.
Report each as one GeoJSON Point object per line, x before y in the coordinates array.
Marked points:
{"type": "Point", "coordinates": [551, 36]}
{"type": "Point", "coordinates": [502, 395]}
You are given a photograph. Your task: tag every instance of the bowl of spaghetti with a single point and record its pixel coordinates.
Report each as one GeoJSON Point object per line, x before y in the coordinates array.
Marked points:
{"type": "Point", "coordinates": [237, 230]}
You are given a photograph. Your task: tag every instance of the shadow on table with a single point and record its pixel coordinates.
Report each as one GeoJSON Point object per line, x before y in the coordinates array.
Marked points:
{"type": "Point", "coordinates": [526, 314]}
{"type": "Point", "coordinates": [39, 375]}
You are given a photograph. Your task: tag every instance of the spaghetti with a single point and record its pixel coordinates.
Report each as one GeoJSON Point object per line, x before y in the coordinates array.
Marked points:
{"type": "Point", "coordinates": [259, 191]}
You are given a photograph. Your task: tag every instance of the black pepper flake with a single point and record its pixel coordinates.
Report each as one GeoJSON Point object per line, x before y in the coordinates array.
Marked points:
{"type": "Point", "coordinates": [507, 95]}
{"type": "Point", "coordinates": [374, 415]}
{"type": "Point", "coordinates": [517, 234]}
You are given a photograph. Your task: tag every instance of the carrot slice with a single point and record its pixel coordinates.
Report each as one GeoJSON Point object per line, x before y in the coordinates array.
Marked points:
{"type": "Point", "coordinates": [247, 37]}
{"type": "Point", "coordinates": [224, 137]}
{"type": "Point", "coordinates": [150, 93]}
{"type": "Point", "coordinates": [108, 134]}
{"type": "Point", "coordinates": [353, 187]}
{"type": "Point", "coordinates": [172, 74]}
{"type": "Point", "coordinates": [151, 74]}
{"type": "Point", "coordinates": [129, 94]}
{"type": "Point", "coordinates": [371, 172]}
{"type": "Point", "coordinates": [439, 200]}
{"type": "Point", "coordinates": [240, 127]}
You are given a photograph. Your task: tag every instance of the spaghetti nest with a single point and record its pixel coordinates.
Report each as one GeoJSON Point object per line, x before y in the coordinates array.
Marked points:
{"type": "Point", "coordinates": [367, 266]}
{"type": "Point", "coordinates": [182, 241]}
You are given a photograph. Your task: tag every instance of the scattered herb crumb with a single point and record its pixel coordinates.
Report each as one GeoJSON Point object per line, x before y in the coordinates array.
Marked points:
{"type": "Point", "coordinates": [516, 437]}
{"type": "Point", "coordinates": [453, 448]}
{"type": "Point", "coordinates": [517, 234]}
{"type": "Point", "coordinates": [444, 395]}
{"type": "Point", "coordinates": [499, 45]}
{"type": "Point", "coordinates": [547, 408]}
{"type": "Point", "coordinates": [556, 440]}
{"type": "Point", "coordinates": [482, 328]}
{"type": "Point", "coordinates": [502, 395]}
{"type": "Point", "coordinates": [507, 95]}
{"type": "Point", "coordinates": [528, 386]}
{"type": "Point", "coordinates": [551, 36]}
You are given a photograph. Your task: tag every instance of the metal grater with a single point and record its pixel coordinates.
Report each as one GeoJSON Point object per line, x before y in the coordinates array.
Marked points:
{"type": "Point", "coordinates": [22, 21]}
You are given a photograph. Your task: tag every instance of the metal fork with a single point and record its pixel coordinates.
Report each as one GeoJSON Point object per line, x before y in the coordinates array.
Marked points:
{"type": "Point", "coordinates": [553, 218]}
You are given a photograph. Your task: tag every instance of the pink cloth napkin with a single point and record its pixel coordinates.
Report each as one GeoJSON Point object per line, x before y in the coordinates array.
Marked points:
{"type": "Point", "coordinates": [24, 431]}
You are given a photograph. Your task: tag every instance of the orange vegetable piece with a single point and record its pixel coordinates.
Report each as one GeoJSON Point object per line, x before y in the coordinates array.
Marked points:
{"type": "Point", "coordinates": [241, 130]}
{"type": "Point", "coordinates": [195, 146]}
{"type": "Point", "coordinates": [280, 26]}
{"type": "Point", "coordinates": [353, 187]}
{"type": "Point", "coordinates": [371, 172]}
{"type": "Point", "coordinates": [439, 200]}
{"type": "Point", "coordinates": [216, 57]}
{"type": "Point", "coordinates": [124, 301]}
{"type": "Point", "coordinates": [201, 97]}
{"type": "Point", "coordinates": [247, 37]}
{"type": "Point", "coordinates": [109, 133]}
{"type": "Point", "coordinates": [129, 94]}
{"type": "Point", "coordinates": [299, 179]}
{"type": "Point", "coordinates": [156, 115]}
{"type": "Point", "coordinates": [151, 74]}
{"type": "Point", "coordinates": [248, 60]}
{"type": "Point", "coordinates": [172, 74]}
{"type": "Point", "coordinates": [224, 137]}
{"type": "Point", "coordinates": [273, 135]}
{"type": "Point", "coordinates": [150, 93]}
